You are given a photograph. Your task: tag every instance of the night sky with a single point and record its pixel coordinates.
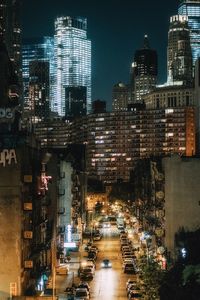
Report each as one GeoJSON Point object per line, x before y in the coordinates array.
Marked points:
{"type": "Point", "coordinates": [116, 29]}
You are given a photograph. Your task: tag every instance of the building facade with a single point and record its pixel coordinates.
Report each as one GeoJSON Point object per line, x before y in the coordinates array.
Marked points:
{"type": "Point", "coordinates": [181, 198]}
{"type": "Point", "coordinates": [116, 140]}
{"type": "Point", "coordinates": [75, 101]}
{"type": "Point", "coordinates": [39, 86]}
{"type": "Point", "coordinates": [10, 31]}
{"type": "Point", "coordinates": [53, 133]}
{"type": "Point", "coordinates": [191, 9]}
{"type": "Point", "coordinates": [144, 70]}
{"type": "Point", "coordinates": [170, 96]}
{"type": "Point", "coordinates": [121, 97]}
{"type": "Point", "coordinates": [72, 60]}
{"type": "Point", "coordinates": [37, 50]}
{"type": "Point", "coordinates": [179, 54]}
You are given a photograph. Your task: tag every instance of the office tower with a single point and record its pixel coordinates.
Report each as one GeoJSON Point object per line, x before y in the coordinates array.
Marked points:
{"type": "Point", "coordinates": [191, 9]}
{"type": "Point", "coordinates": [75, 102]}
{"type": "Point", "coordinates": [39, 90]}
{"type": "Point", "coordinates": [39, 49]}
{"type": "Point", "coordinates": [120, 96]}
{"type": "Point", "coordinates": [144, 70]}
{"type": "Point", "coordinates": [10, 31]}
{"type": "Point", "coordinates": [98, 106]}
{"type": "Point", "coordinates": [72, 60]}
{"type": "Point", "coordinates": [179, 55]}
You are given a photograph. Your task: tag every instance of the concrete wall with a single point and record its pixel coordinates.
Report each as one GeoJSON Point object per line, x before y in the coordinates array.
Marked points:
{"type": "Point", "coordinates": [10, 226]}
{"type": "Point", "coordinates": [182, 196]}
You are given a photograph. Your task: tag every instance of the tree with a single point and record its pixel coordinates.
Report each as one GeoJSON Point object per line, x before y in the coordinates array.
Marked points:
{"type": "Point", "coordinates": [151, 276]}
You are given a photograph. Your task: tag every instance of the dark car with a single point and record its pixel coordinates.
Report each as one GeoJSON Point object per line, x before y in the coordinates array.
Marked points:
{"type": "Point", "coordinates": [134, 296]}
{"type": "Point", "coordinates": [129, 268]}
{"type": "Point", "coordinates": [106, 263]}
{"type": "Point", "coordinates": [70, 292]}
{"type": "Point", "coordinates": [86, 274]}
{"type": "Point", "coordinates": [84, 285]}
{"type": "Point", "coordinates": [92, 255]}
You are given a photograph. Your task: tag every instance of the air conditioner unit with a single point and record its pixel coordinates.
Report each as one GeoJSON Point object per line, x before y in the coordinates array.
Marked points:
{"type": "Point", "coordinates": [28, 234]}
{"type": "Point", "coordinates": [28, 178]}
{"type": "Point", "coordinates": [28, 206]}
{"type": "Point", "coordinates": [28, 264]}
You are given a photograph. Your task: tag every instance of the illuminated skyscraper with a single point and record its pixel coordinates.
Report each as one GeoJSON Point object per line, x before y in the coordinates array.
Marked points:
{"type": "Point", "coordinates": [191, 8]}
{"type": "Point", "coordinates": [144, 70]}
{"type": "Point", "coordinates": [37, 50]}
{"type": "Point", "coordinates": [179, 55]}
{"type": "Point", "coordinates": [72, 60]}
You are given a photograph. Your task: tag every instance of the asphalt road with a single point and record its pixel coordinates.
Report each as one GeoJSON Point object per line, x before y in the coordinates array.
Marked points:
{"type": "Point", "coordinates": [108, 284]}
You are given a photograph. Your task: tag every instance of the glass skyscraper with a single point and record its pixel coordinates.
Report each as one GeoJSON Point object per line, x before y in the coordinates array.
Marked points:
{"type": "Point", "coordinates": [144, 70]}
{"type": "Point", "coordinates": [72, 52]}
{"type": "Point", "coordinates": [39, 49]}
{"type": "Point", "coordinates": [179, 55]}
{"type": "Point", "coordinates": [191, 8]}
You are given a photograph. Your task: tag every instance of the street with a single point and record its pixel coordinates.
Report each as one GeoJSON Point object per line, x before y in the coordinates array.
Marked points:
{"type": "Point", "coordinates": [108, 284]}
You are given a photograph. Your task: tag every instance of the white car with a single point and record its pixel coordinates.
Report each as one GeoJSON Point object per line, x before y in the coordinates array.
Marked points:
{"type": "Point", "coordinates": [62, 269]}
{"type": "Point", "coordinates": [81, 294]}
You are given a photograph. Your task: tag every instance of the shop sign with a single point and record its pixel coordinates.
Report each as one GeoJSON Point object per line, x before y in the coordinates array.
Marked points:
{"type": "Point", "coordinates": [6, 115]}
{"type": "Point", "coordinates": [7, 157]}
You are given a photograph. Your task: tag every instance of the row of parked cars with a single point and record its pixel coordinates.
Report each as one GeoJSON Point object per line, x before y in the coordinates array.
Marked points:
{"type": "Point", "coordinates": [129, 259]}
{"type": "Point", "coordinates": [128, 254]}
{"type": "Point", "coordinates": [87, 268]}
{"type": "Point", "coordinates": [133, 290]}
{"type": "Point", "coordinates": [86, 273]}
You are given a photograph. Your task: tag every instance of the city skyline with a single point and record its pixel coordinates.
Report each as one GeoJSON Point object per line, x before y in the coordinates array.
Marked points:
{"type": "Point", "coordinates": [115, 34]}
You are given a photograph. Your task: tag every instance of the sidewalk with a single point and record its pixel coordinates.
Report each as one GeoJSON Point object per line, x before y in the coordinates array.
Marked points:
{"type": "Point", "coordinates": [64, 281]}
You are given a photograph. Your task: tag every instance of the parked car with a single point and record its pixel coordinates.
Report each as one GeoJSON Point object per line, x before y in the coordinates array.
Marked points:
{"type": "Point", "coordinates": [70, 291]}
{"type": "Point", "coordinates": [130, 281]}
{"type": "Point", "coordinates": [134, 296]}
{"type": "Point", "coordinates": [84, 285]}
{"type": "Point", "coordinates": [86, 274]}
{"type": "Point", "coordinates": [81, 294]}
{"type": "Point", "coordinates": [92, 260]}
{"type": "Point", "coordinates": [97, 237]}
{"type": "Point", "coordinates": [93, 247]}
{"type": "Point", "coordinates": [92, 255]}
{"type": "Point", "coordinates": [133, 289]}
{"type": "Point", "coordinates": [129, 268]}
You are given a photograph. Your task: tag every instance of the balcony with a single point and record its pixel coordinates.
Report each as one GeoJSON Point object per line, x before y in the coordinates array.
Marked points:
{"type": "Point", "coordinates": [61, 192]}
{"type": "Point", "coordinates": [61, 229]}
{"type": "Point", "coordinates": [61, 210]}
{"type": "Point", "coordinates": [62, 175]}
